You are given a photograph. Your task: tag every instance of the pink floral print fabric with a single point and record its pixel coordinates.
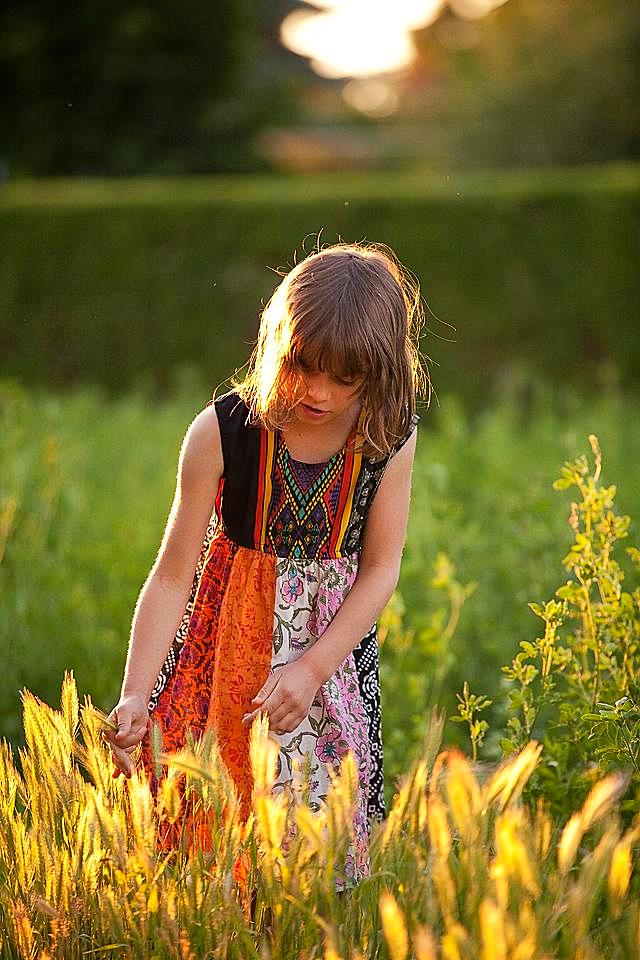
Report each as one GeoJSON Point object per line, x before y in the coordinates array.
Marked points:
{"type": "Point", "coordinates": [308, 595]}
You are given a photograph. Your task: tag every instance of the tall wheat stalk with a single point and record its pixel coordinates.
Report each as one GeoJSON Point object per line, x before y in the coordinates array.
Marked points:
{"type": "Point", "coordinates": [461, 868]}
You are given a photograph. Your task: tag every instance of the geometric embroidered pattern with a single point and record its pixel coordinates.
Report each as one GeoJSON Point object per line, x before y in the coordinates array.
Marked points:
{"type": "Point", "coordinates": [303, 505]}
{"type": "Point", "coordinates": [303, 510]}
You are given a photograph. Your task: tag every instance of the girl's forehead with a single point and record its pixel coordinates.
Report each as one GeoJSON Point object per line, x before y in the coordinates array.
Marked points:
{"type": "Point", "coordinates": [329, 358]}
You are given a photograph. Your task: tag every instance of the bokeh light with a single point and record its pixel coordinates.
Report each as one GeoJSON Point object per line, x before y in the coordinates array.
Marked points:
{"type": "Point", "coordinates": [376, 98]}
{"type": "Point", "coordinates": [358, 38]}
{"type": "Point", "coordinates": [370, 42]}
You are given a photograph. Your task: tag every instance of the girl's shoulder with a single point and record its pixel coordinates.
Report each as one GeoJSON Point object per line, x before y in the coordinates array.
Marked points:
{"type": "Point", "coordinates": [240, 440]}
{"type": "Point", "coordinates": [382, 462]}
{"type": "Point", "coordinates": [413, 423]}
{"type": "Point", "coordinates": [370, 476]}
{"type": "Point", "coordinates": [233, 413]}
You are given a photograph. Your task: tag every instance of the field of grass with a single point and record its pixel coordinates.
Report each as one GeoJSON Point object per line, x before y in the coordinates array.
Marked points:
{"type": "Point", "coordinates": [462, 867]}
{"type": "Point", "coordinates": [276, 189]}
{"type": "Point", "coordinates": [88, 482]}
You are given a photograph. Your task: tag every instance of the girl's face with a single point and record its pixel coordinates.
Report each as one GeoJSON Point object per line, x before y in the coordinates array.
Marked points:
{"type": "Point", "coordinates": [325, 398]}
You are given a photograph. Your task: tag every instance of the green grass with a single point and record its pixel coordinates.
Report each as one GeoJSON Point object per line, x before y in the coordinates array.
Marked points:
{"type": "Point", "coordinates": [86, 487]}
{"type": "Point", "coordinates": [416, 182]}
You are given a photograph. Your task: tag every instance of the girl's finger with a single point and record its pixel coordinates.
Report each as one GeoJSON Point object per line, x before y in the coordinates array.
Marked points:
{"type": "Point", "coordinates": [114, 746]}
{"type": "Point", "coordinates": [285, 725]}
{"type": "Point", "coordinates": [248, 717]}
{"type": "Point", "coordinates": [267, 688]}
{"type": "Point", "coordinates": [122, 760]}
{"type": "Point", "coordinates": [279, 713]}
{"type": "Point", "coordinates": [133, 737]}
{"type": "Point", "coordinates": [288, 723]}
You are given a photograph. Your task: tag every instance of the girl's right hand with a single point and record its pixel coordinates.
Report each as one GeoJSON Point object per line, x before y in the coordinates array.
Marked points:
{"type": "Point", "coordinates": [132, 716]}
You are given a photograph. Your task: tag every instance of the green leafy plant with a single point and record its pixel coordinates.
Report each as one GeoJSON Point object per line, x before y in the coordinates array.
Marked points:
{"type": "Point", "coordinates": [468, 706]}
{"type": "Point", "coordinates": [579, 680]}
{"type": "Point", "coordinates": [617, 726]}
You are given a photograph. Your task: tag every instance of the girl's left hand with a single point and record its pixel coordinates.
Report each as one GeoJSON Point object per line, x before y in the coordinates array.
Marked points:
{"type": "Point", "coordinates": [286, 695]}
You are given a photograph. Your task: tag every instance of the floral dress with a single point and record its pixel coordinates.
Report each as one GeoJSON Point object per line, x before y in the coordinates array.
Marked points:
{"type": "Point", "coordinates": [280, 555]}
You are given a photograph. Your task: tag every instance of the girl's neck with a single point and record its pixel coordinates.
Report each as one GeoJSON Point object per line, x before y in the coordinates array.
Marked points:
{"type": "Point", "coordinates": [317, 443]}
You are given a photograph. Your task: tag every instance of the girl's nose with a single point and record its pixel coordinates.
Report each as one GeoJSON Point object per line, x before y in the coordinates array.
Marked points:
{"type": "Point", "coordinates": [317, 386]}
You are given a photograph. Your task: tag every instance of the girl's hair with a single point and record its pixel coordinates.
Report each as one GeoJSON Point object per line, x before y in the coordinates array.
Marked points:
{"type": "Point", "coordinates": [353, 311]}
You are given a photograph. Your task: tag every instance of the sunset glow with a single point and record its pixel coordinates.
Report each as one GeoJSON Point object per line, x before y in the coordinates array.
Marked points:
{"type": "Point", "coordinates": [367, 38]}
{"type": "Point", "coordinates": [355, 39]}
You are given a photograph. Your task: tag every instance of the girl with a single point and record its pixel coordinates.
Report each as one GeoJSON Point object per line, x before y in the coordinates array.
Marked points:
{"type": "Point", "coordinates": [291, 505]}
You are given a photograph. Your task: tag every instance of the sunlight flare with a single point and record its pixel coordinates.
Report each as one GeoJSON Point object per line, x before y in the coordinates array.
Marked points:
{"type": "Point", "coordinates": [367, 38]}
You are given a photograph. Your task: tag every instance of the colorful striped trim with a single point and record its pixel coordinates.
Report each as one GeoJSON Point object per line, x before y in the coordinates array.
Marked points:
{"type": "Point", "coordinates": [265, 470]}
{"type": "Point", "coordinates": [351, 471]}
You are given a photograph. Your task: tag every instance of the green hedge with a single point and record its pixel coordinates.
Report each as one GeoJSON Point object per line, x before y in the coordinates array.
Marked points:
{"type": "Point", "coordinates": [128, 281]}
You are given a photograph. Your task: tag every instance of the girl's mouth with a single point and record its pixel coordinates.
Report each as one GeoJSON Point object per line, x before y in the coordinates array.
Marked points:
{"type": "Point", "coordinates": [313, 411]}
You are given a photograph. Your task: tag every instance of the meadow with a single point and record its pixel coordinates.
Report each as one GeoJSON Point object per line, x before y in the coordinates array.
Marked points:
{"type": "Point", "coordinates": [87, 488]}
{"type": "Point", "coordinates": [482, 854]}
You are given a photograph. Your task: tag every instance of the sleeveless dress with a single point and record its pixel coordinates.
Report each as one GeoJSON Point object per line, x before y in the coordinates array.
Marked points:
{"type": "Point", "coordinates": [279, 556]}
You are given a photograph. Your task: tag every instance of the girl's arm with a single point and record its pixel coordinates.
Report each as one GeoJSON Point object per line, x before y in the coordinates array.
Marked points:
{"type": "Point", "coordinates": [164, 595]}
{"type": "Point", "coordinates": [378, 570]}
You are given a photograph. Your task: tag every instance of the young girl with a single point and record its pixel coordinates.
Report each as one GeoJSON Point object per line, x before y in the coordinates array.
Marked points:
{"type": "Point", "coordinates": [291, 506]}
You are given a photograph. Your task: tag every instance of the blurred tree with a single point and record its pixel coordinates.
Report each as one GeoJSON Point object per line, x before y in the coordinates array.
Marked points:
{"type": "Point", "coordinates": [540, 81]}
{"type": "Point", "coordinates": [123, 88]}
{"type": "Point", "coordinates": [126, 88]}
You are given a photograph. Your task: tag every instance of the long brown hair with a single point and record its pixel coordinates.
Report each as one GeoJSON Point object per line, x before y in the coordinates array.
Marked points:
{"type": "Point", "coordinates": [353, 311]}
